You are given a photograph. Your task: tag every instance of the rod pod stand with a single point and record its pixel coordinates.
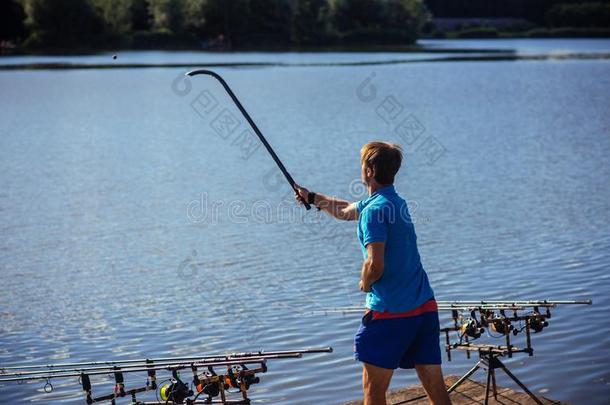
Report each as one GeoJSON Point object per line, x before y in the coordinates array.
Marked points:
{"type": "Point", "coordinates": [490, 361]}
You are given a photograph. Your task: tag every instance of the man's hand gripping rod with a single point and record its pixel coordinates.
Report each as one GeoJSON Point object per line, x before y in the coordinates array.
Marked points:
{"type": "Point", "coordinates": [252, 124]}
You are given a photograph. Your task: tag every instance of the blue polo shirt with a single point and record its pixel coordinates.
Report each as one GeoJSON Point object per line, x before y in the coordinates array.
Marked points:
{"type": "Point", "coordinates": [384, 217]}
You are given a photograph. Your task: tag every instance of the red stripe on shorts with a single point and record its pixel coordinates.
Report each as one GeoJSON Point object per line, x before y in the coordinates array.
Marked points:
{"type": "Point", "coordinates": [428, 306]}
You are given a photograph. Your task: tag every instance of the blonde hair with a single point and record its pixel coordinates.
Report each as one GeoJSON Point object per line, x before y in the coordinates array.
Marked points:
{"type": "Point", "coordinates": [384, 158]}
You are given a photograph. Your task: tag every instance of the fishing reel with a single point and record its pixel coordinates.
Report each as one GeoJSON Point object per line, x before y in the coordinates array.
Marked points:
{"type": "Point", "coordinates": [175, 391]}
{"type": "Point", "coordinates": [471, 328]}
{"type": "Point", "coordinates": [211, 389]}
{"type": "Point", "coordinates": [208, 383]}
{"type": "Point", "coordinates": [241, 377]}
{"type": "Point", "coordinates": [502, 325]}
{"type": "Point", "coordinates": [537, 324]}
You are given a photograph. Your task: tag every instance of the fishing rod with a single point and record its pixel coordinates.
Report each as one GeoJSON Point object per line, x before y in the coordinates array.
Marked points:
{"type": "Point", "coordinates": [350, 310]}
{"type": "Point", "coordinates": [472, 305]}
{"type": "Point", "coordinates": [252, 124]}
{"type": "Point", "coordinates": [518, 302]}
{"type": "Point", "coordinates": [67, 373]}
{"type": "Point", "coordinates": [164, 365]}
{"type": "Point", "coordinates": [60, 370]}
{"type": "Point", "coordinates": [241, 372]}
{"type": "Point", "coordinates": [166, 359]}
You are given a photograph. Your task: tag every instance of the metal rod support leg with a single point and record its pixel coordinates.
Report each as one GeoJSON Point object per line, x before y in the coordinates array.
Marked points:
{"type": "Point", "coordinates": [520, 384]}
{"type": "Point", "coordinates": [464, 377]}
{"type": "Point", "coordinates": [493, 381]}
{"type": "Point", "coordinates": [487, 384]}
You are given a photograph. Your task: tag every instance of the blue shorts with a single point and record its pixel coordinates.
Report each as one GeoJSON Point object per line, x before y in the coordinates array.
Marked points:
{"type": "Point", "coordinates": [399, 342]}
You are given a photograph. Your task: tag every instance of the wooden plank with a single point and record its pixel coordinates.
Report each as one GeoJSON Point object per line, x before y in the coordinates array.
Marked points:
{"type": "Point", "coordinates": [470, 392]}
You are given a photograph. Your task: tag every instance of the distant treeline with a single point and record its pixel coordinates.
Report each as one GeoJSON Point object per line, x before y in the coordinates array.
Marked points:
{"type": "Point", "coordinates": [48, 25]}
{"type": "Point", "coordinates": [532, 17]}
{"type": "Point", "coordinates": [213, 24]}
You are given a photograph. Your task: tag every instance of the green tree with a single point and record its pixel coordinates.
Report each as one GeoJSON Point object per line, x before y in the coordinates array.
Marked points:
{"type": "Point", "coordinates": [406, 16]}
{"type": "Point", "coordinates": [310, 24]}
{"type": "Point", "coordinates": [116, 15]}
{"type": "Point", "coordinates": [228, 18]}
{"type": "Point", "coordinates": [536, 11]}
{"type": "Point", "coordinates": [194, 20]}
{"type": "Point", "coordinates": [140, 15]}
{"type": "Point", "coordinates": [352, 15]}
{"type": "Point", "coordinates": [63, 23]}
{"type": "Point", "coordinates": [586, 15]}
{"type": "Point", "coordinates": [167, 15]}
{"type": "Point", "coordinates": [379, 21]}
{"type": "Point", "coordinates": [248, 22]}
{"type": "Point", "coordinates": [12, 17]}
{"type": "Point", "coordinates": [269, 21]}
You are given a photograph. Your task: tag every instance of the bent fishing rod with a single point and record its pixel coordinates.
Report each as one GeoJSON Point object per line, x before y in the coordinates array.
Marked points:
{"type": "Point", "coordinates": [252, 124]}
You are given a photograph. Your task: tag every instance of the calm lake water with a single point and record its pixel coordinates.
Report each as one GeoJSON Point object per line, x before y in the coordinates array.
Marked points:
{"type": "Point", "coordinates": [134, 224]}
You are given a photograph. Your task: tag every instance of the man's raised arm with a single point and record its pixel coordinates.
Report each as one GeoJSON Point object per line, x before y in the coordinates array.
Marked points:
{"type": "Point", "coordinates": [340, 209]}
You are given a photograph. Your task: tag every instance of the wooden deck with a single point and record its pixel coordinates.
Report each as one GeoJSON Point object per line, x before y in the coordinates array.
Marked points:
{"type": "Point", "coordinates": [470, 392]}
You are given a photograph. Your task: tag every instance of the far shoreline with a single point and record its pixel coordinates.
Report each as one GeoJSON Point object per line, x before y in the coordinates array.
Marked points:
{"type": "Point", "coordinates": [265, 49]}
{"type": "Point", "coordinates": [506, 56]}
{"type": "Point", "coordinates": [370, 48]}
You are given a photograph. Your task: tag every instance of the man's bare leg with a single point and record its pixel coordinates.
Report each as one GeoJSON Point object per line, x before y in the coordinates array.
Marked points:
{"type": "Point", "coordinates": [431, 377]}
{"type": "Point", "coordinates": [375, 383]}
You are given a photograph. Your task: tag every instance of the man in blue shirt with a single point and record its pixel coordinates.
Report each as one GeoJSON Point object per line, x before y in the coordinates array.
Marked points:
{"type": "Point", "coordinates": [400, 327]}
